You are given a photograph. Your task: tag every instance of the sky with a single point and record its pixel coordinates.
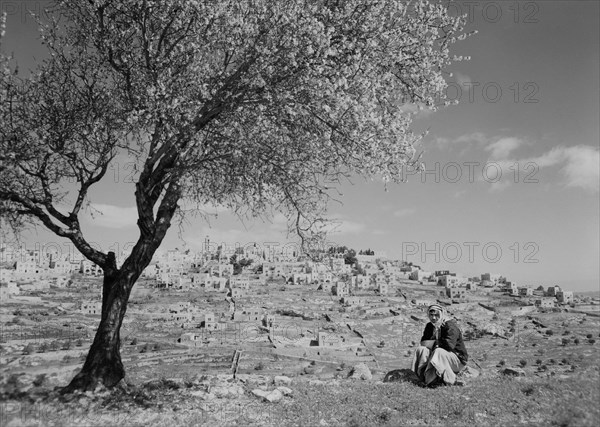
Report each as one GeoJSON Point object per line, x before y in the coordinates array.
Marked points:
{"type": "Point", "coordinates": [511, 181]}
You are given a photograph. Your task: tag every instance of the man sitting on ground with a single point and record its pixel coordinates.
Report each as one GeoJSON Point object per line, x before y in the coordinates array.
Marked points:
{"type": "Point", "coordinates": [442, 353]}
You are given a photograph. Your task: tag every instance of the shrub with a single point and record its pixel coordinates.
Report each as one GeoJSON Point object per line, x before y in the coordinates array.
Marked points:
{"type": "Point", "coordinates": [549, 332]}
{"type": "Point", "coordinates": [523, 362]}
{"type": "Point", "coordinates": [592, 341]}
{"type": "Point", "coordinates": [259, 367]}
{"type": "Point", "coordinates": [538, 361]}
{"type": "Point", "coordinates": [39, 380]}
{"type": "Point", "coordinates": [552, 361]}
{"type": "Point", "coordinates": [576, 341]}
{"type": "Point", "coordinates": [565, 341]}
{"type": "Point", "coordinates": [588, 336]}
{"type": "Point", "coordinates": [134, 341]}
{"type": "Point", "coordinates": [502, 362]}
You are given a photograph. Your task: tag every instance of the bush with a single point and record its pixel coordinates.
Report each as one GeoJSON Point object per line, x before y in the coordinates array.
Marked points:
{"type": "Point", "coordinates": [565, 341]}
{"type": "Point", "coordinates": [259, 367]}
{"type": "Point", "coordinates": [592, 341]}
{"type": "Point", "coordinates": [39, 380]}
{"type": "Point", "coordinates": [502, 362]}
{"type": "Point", "coordinates": [538, 361]}
{"type": "Point", "coordinates": [588, 336]}
{"type": "Point", "coordinates": [523, 362]}
{"type": "Point", "coordinates": [576, 341]}
{"type": "Point", "coordinates": [549, 332]}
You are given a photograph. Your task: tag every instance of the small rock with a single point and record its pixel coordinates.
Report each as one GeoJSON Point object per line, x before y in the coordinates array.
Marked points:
{"type": "Point", "coordinates": [361, 371]}
{"type": "Point", "coordinates": [469, 372]}
{"type": "Point", "coordinates": [260, 393]}
{"type": "Point", "coordinates": [282, 380]}
{"type": "Point", "coordinates": [275, 396]}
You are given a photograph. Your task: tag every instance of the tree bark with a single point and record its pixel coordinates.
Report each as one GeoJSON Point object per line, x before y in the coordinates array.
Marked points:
{"type": "Point", "coordinates": [103, 363]}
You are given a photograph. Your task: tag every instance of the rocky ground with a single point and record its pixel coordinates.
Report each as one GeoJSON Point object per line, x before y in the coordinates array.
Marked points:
{"type": "Point", "coordinates": [356, 397]}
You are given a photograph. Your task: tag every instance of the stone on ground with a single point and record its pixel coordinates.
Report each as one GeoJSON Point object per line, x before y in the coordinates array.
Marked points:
{"type": "Point", "coordinates": [362, 372]}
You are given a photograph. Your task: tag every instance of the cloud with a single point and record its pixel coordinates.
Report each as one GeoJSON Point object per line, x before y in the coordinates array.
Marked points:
{"type": "Point", "coordinates": [404, 212]}
{"type": "Point", "coordinates": [582, 167]}
{"type": "Point", "coordinates": [502, 148]}
{"type": "Point", "coordinates": [579, 167]}
{"type": "Point", "coordinates": [111, 216]}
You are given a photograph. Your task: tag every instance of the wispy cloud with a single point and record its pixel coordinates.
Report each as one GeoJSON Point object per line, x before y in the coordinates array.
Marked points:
{"type": "Point", "coordinates": [579, 167]}
{"type": "Point", "coordinates": [404, 212]}
{"type": "Point", "coordinates": [502, 148]}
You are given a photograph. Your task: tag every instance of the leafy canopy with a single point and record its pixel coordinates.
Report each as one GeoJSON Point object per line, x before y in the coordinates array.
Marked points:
{"type": "Point", "coordinates": [245, 103]}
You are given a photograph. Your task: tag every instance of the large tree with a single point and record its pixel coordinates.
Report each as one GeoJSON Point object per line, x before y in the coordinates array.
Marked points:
{"type": "Point", "coordinates": [252, 104]}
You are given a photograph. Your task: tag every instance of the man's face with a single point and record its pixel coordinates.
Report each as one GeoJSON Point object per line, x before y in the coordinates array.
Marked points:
{"type": "Point", "coordinates": [434, 315]}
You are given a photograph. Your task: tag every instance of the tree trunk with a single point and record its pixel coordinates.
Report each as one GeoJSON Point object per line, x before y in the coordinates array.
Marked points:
{"type": "Point", "coordinates": [103, 363]}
